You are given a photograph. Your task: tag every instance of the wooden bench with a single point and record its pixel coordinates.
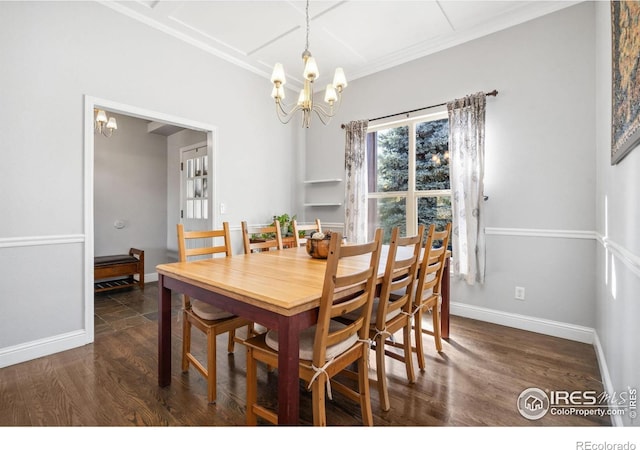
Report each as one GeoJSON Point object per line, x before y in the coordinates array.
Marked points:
{"type": "Point", "coordinates": [118, 271]}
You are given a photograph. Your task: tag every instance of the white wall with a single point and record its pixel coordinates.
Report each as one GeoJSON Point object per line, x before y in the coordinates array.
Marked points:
{"type": "Point", "coordinates": [130, 187]}
{"type": "Point", "coordinates": [55, 53]}
{"type": "Point", "coordinates": [617, 225]}
{"type": "Point", "coordinates": [539, 160]}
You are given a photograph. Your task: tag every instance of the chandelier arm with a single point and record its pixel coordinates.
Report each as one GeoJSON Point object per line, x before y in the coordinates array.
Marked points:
{"type": "Point", "coordinates": [283, 114]}
{"type": "Point", "coordinates": [323, 116]}
{"type": "Point", "coordinates": [320, 110]}
{"type": "Point", "coordinates": [324, 119]}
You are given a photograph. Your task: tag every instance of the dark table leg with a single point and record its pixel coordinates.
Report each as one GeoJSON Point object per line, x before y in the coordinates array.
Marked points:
{"type": "Point", "coordinates": [164, 333]}
{"type": "Point", "coordinates": [288, 360]}
{"type": "Point", "coordinates": [444, 309]}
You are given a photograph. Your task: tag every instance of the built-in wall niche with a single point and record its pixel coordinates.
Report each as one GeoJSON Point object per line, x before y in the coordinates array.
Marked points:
{"type": "Point", "coordinates": [319, 189]}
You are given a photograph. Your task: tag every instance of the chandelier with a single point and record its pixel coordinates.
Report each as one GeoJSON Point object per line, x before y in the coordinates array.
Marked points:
{"type": "Point", "coordinates": [103, 125]}
{"type": "Point", "coordinates": [305, 104]}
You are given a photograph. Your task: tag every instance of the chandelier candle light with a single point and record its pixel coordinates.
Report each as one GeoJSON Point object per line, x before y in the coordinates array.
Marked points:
{"type": "Point", "coordinates": [333, 93]}
{"type": "Point", "coordinates": [103, 125]}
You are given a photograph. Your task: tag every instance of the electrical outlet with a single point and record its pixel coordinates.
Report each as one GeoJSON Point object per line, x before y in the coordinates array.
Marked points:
{"type": "Point", "coordinates": [519, 293]}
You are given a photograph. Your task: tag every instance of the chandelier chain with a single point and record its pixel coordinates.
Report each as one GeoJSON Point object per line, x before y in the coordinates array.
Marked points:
{"type": "Point", "coordinates": [307, 13]}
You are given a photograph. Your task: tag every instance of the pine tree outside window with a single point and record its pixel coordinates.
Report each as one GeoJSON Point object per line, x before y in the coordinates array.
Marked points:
{"type": "Point", "coordinates": [408, 174]}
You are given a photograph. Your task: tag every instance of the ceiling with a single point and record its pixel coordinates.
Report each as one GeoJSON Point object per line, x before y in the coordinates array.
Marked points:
{"type": "Point", "coordinates": [361, 36]}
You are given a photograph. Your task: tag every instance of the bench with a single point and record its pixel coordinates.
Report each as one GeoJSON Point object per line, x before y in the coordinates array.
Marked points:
{"type": "Point", "coordinates": [118, 271]}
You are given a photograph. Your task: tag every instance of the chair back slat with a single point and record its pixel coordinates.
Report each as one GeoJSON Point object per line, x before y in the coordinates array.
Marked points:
{"type": "Point", "coordinates": [192, 243]}
{"type": "Point", "coordinates": [345, 290]}
{"type": "Point", "coordinates": [396, 292]}
{"type": "Point", "coordinates": [297, 228]}
{"type": "Point", "coordinates": [433, 264]}
{"type": "Point", "coordinates": [269, 243]}
{"type": "Point", "coordinates": [428, 287]}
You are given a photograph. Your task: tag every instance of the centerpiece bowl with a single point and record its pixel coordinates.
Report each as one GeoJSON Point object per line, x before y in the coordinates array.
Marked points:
{"type": "Point", "coordinates": [318, 245]}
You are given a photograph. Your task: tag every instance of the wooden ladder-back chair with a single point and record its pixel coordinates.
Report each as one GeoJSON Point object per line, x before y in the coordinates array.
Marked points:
{"type": "Point", "coordinates": [428, 288]}
{"type": "Point", "coordinates": [392, 309]}
{"type": "Point", "coordinates": [263, 244]}
{"type": "Point", "coordinates": [329, 347]}
{"type": "Point", "coordinates": [207, 318]}
{"type": "Point", "coordinates": [297, 228]}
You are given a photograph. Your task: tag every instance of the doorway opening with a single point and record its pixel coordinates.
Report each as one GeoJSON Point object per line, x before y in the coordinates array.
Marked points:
{"type": "Point", "coordinates": [158, 123]}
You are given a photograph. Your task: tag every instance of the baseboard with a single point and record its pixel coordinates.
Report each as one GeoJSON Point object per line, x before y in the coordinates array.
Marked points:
{"type": "Point", "coordinates": [549, 327]}
{"type": "Point", "coordinates": [43, 347]}
{"type": "Point", "coordinates": [150, 277]}
{"type": "Point", "coordinates": [616, 421]}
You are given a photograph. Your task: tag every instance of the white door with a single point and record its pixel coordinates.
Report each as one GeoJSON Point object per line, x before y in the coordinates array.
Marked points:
{"type": "Point", "coordinates": [195, 195]}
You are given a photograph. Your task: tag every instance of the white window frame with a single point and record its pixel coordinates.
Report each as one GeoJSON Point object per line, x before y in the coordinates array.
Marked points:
{"type": "Point", "coordinates": [411, 195]}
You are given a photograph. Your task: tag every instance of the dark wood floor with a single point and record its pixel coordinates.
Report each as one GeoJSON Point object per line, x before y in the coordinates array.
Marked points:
{"type": "Point", "coordinates": [475, 382]}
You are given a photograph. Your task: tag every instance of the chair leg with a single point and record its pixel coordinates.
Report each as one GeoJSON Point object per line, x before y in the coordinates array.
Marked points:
{"type": "Point", "coordinates": [381, 371]}
{"type": "Point", "coordinates": [252, 387]}
{"type": "Point", "coordinates": [232, 341]}
{"type": "Point", "coordinates": [211, 365]}
{"type": "Point", "coordinates": [186, 341]}
{"type": "Point", "coordinates": [317, 395]}
{"type": "Point", "coordinates": [437, 332]}
{"type": "Point", "coordinates": [408, 352]}
{"type": "Point", "coordinates": [363, 388]}
{"type": "Point", "coordinates": [417, 328]}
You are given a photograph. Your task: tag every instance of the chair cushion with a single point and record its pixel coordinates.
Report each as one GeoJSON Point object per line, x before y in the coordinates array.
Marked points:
{"type": "Point", "coordinates": [353, 315]}
{"type": "Point", "coordinates": [110, 260]}
{"type": "Point", "coordinates": [259, 329]}
{"type": "Point", "coordinates": [425, 293]}
{"type": "Point", "coordinates": [306, 341]}
{"type": "Point", "coordinates": [208, 312]}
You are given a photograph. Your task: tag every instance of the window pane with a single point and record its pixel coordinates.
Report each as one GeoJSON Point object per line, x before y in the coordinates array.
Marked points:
{"type": "Point", "coordinates": [436, 210]}
{"type": "Point", "coordinates": [432, 155]}
{"type": "Point", "coordinates": [190, 168]}
{"type": "Point", "coordinates": [190, 189]}
{"type": "Point", "coordinates": [198, 188]}
{"type": "Point", "coordinates": [392, 159]}
{"type": "Point", "coordinates": [189, 209]}
{"type": "Point", "coordinates": [387, 213]}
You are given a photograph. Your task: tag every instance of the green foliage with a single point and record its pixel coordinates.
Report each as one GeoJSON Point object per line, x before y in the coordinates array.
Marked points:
{"type": "Point", "coordinates": [432, 173]}
{"type": "Point", "coordinates": [285, 221]}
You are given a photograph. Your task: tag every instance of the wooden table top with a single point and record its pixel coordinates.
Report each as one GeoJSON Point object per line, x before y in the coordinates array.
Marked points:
{"type": "Point", "coordinates": [286, 281]}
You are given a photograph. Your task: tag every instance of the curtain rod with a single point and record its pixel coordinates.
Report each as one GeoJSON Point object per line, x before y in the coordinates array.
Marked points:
{"type": "Point", "coordinates": [492, 93]}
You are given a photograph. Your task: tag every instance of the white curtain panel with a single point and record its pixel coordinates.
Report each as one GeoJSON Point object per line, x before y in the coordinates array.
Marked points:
{"type": "Point", "coordinates": [355, 224]}
{"type": "Point", "coordinates": [466, 149]}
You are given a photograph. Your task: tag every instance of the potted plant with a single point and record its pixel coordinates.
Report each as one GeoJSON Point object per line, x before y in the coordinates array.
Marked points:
{"type": "Point", "coordinates": [286, 223]}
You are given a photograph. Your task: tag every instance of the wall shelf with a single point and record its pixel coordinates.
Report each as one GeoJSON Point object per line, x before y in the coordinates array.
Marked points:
{"type": "Point", "coordinates": [322, 204]}
{"type": "Point", "coordinates": [320, 187]}
{"type": "Point", "coordinates": [328, 180]}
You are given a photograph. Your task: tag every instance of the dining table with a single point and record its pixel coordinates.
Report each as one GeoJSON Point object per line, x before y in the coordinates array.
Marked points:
{"type": "Point", "coordinates": [279, 289]}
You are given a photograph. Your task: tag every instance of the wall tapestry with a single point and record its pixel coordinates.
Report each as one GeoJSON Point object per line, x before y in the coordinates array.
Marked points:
{"type": "Point", "coordinates": [625, 105]}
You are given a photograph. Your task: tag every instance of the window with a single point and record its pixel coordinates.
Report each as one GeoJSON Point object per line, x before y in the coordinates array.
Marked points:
{"type": "Point", "coordinates": [408, 174]}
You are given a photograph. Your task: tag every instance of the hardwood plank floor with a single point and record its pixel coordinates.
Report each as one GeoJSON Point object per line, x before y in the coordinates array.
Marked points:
{"type": "Point", "coordinates": [113, 382]}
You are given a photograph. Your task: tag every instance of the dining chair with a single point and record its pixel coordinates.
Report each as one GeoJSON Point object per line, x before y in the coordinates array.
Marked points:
{"type": "Point", "coordinates": [328, 347]}
{"type": "Point", "coordinates": [392, 309]}
{"type": "Point", "coordinates": [270, 237]}
{"type": "Point", "coordinates": [428, 288]}
{"type": "Point", "coordinates": [212, 321]}
{"type": "Point", "coordinates": [298, 228]}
